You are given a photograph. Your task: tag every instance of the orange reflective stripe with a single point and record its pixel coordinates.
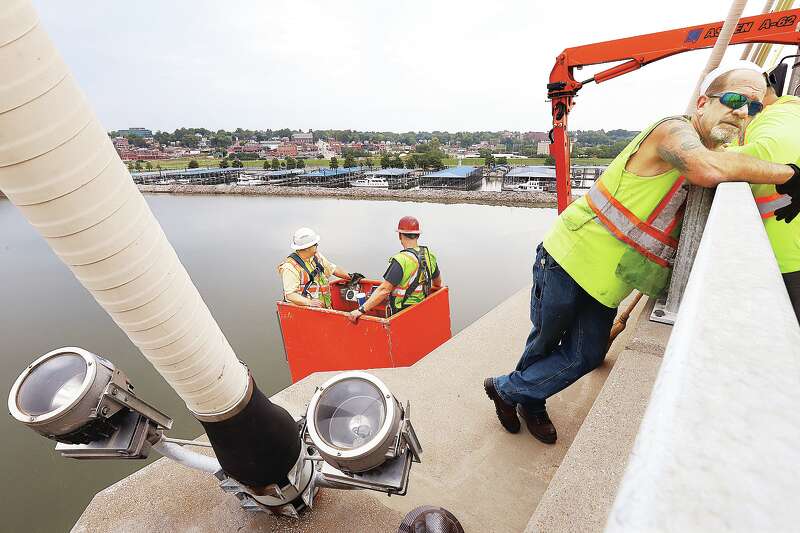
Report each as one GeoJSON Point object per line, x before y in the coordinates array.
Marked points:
{"type": "Point", "coordinates": [650, 230]}
{"type": "Point", "coordinates": [402, 292]}
{"type": "Point", "coordinates": [665, 201]}
{"type": "Point", "coordinates": [623, 237]}
{"type": "Point", "coordinates": [300, 270]}
{"type": "Point", "coordinates": [674, 222]}
{"type": "Point", "coordinates": [767, 205]}
{"type": "Point", "coordinates": [314, 289]}
{"type": "Point", "coordinates": [413, 274]}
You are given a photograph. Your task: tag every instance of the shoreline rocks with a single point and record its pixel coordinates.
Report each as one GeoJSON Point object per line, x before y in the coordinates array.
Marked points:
{"type": "Point", "coordinates": [507, 198]}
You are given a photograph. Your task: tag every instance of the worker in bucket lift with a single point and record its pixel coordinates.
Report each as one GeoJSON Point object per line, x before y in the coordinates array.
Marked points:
{"type": "Point", "coordinates": [305, 272]}
{"type": "Point", "coordinates": [774, 135]}
{"type": "Point", "coordinates": [411, 276]}
{"type": "Point", "coordinates": [623, 235]}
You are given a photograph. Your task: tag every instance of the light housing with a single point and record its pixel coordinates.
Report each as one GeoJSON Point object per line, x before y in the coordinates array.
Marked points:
{"type": "Point", "coordinates": [84, 402]}
{"type": "Point", "coordinates": [352, 420]}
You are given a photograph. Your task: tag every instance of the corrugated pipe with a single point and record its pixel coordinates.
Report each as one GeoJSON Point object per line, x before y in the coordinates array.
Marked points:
{"type": "Point", "coordinates": [58, 166]}
{"type": "Point", "coordinates": [718, 51]}
{"type": "Point", "coordinates": [767, 7]}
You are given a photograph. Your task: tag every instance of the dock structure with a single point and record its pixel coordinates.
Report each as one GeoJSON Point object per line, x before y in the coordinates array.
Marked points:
{"type": "Point", "coordinates": [191, 176]}
{"type": "Point", "coordinates": [329, 177]}
{"type": "Point", "coordinates": [543, 178]}
{"type": "Point", "coordinates": [463, 178]}
{"type": "Point", "coordinates": [270, 177]}
{"type": "Point", "coordinates": [399, 178]}
{"type": "Point", "coordinates": [584, 176]}
{"type": "Point", "coordinates": [530, 178]}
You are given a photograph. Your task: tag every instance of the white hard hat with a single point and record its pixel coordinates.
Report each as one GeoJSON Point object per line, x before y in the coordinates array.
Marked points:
{"type": "Point", "coordinates": [728, 66]}
{"type": "Point", "coordinates": [304, 238]}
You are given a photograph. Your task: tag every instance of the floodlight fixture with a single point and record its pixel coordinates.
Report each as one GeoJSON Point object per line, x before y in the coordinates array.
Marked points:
{"type": "Point", "coordinates": [362, 433]}
{"type": "Point", "coordinates": [84, 402]}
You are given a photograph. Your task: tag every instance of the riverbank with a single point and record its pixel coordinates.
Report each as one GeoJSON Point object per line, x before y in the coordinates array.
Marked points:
{"type": "Point", "coordinates": [507, 198]}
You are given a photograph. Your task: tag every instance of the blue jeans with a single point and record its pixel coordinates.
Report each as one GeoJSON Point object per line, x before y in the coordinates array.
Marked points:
{"type": "Point", "coordinates": [568, 338]}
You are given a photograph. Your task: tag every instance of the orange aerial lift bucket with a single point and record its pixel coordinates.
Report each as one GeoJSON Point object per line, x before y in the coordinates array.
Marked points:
{"type": "Point", "coordinates": [317, 340]}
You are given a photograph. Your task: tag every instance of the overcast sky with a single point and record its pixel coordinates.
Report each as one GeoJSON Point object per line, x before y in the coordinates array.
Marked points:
{"type": "Point", "coordinates": [368, 65]}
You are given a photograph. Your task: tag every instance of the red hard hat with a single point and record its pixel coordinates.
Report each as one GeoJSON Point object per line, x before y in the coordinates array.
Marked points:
{"type": "Point", "coordinates": [408, 225]}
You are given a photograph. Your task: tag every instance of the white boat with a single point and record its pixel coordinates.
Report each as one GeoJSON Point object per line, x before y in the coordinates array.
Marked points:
{"type": "Point", "coordinates": [530, 185]}
{"type": "Point", "coordinates": [371, 181]}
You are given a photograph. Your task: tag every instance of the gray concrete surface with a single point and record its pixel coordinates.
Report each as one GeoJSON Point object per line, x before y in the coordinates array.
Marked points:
{"type": "Point", "coordinates": [583, 489]}
{"type": "Point", "coordinates": [491, 480]}
{"type": "Point", "coordinates": [718, 445]}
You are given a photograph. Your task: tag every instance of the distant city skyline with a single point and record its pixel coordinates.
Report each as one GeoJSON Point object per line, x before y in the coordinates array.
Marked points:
{"type": "Point", "coordinates": [366, 66]}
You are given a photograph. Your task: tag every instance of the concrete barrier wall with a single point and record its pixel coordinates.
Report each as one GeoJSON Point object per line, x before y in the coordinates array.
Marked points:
{"type": "Point", "coordinates": [719, 445]}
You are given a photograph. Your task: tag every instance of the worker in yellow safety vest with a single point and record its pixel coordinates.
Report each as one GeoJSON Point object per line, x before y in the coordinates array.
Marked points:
{"type": "Point", "coordinates": [774, 135]}
{"type": "Point", "coordinates": [305, 272]}
{"type": "Point", "coordinates": [411, 276]}
{"type": "Point", "coordinates": [623, 235]}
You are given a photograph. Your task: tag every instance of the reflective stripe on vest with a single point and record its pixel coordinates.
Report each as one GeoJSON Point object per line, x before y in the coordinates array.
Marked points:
{"type": "Point", "coordinates": [314, 287]}
{"type": "Point", "coordinates": [650, 238]}
{"type": "Point", "coordinates": [767, 205]}
{"type": "Point", "coordinates": [400, 290]}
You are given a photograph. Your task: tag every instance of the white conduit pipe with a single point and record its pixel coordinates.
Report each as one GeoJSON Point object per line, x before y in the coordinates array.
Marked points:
{"type": "Point", "coordinates": [179, 454]}
{"type": "Point", "coordinates": [746, 52]}
{"type": "Point", "coordinates": [718, 51]}
{"type": "Point", "coordinates": [58, 166]}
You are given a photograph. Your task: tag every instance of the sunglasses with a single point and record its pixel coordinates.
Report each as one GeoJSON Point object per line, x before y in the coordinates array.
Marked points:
{"type": "Point", "coordinates": [736, 101]}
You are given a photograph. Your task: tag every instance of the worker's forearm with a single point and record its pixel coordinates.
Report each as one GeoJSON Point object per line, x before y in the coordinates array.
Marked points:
{"type": "Point", "coordinates": [339, 272]}
{"type": "Point", "coordinates": [376, 297]}
{"type": "Point", "coordinates": [739, 167]}
{"type": "Point", "coordinates": [680, 146]}
{"type": "Point", "coordinates": [298, 299]}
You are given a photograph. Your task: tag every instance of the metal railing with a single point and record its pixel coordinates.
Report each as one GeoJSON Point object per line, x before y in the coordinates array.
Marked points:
{"type": "Point", "coordinates": [718, 446]}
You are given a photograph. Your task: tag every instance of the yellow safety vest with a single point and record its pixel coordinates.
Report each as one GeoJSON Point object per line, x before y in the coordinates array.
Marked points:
{"type": "Point", "coordinates": [314, 286]}
{"type": "Point", "coordinates": [407, 259]}
{"type": "Point", "coordinates": [623, 233]}
{"type": "Point", "coordinates": [774, 135]}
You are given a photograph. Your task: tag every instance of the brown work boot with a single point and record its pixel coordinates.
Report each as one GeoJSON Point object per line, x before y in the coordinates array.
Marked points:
{"type": "Point", "coordinates": [539, 424]}
{"type": "Point", "coordinates": [505, 411]}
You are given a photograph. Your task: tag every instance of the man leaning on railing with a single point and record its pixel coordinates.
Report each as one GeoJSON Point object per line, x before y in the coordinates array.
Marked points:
{"type": "Point", "coordinates": [623, 235]}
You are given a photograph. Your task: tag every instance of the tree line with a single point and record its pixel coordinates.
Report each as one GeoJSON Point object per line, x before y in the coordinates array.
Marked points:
{"type": "Point", "coordinates": [223, 139]}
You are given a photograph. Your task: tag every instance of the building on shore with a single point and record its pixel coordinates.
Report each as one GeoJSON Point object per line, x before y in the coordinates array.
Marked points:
{"type": "Point", "coordinates": [303, 138]}
{"type": "Point", "coordinates": [463, 178]}
{"type": "Point", "coordinates": [135, 132]}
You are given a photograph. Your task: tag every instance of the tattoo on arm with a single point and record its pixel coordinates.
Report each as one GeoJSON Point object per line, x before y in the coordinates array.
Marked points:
{"type": "Point", "coordinates": [678, 144]}
{"type": "Point", "coordinates": [672, 157]}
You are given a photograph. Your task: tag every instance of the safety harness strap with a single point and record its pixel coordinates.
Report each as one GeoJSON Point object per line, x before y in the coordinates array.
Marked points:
{"type": "Point", "coordinates": [311, 273]}
{"type": "Point", "coordinates": [420, 279]}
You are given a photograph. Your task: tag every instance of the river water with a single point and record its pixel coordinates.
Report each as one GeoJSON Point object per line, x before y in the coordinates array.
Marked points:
{"type": "Point", "coordinates": [230, 245]}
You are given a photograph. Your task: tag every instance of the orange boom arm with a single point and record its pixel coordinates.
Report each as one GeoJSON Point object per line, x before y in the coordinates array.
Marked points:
{"type": "Point", "coordinates": [777, 28]}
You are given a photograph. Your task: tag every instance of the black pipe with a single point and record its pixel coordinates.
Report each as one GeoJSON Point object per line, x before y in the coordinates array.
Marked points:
{"type": "Point", "coordinates": [257, 446]}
